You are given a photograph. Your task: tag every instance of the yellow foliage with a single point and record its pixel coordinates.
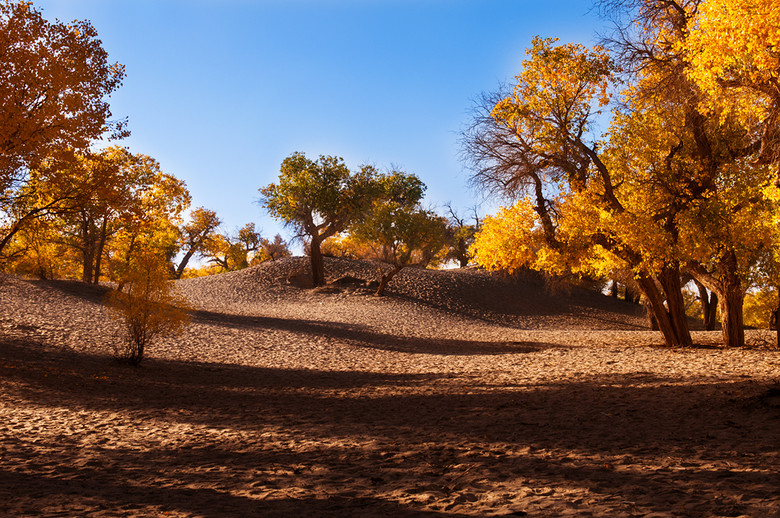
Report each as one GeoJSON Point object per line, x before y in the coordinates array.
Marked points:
{"type": "Point", "coordinates": [147, 307]}
{"type": "Point", "coordinates": [758, 307]}
{"type": "Point", "coordinates": [510, 240]}
{"type": "Point", "coordinates": [735, 41]}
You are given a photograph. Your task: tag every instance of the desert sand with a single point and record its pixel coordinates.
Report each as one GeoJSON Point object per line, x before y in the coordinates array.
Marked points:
{"type": "Point", "coordinates": [459, 394]}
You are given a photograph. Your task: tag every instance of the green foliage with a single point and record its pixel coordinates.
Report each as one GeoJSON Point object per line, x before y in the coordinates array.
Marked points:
{"type": "Point", "coordinates": [397, 229]}
{"type": "Point", "coordinates": [319, 198]}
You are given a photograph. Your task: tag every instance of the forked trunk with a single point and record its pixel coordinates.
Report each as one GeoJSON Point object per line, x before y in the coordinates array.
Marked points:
{"type": "Point", "coordinates": [674, 329]}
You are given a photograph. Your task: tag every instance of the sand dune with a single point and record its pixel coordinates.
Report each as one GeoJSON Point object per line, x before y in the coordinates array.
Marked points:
{"type": "Point", "coordinates": [457, 395]}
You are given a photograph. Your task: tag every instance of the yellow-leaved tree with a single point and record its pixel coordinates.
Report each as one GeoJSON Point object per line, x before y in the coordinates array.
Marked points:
{"type": "Point", "coordinates": [676, 186]}
{"type": "Point", "coordinates": [734, 49]}
{"type": "Point", "coordinates": [147, 307]}
{"type": "Point", "coordinates": [55, 79]}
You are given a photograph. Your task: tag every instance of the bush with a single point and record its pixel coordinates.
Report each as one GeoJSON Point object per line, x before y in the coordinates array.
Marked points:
{"type": "Point", "coordinates": [147, 307]}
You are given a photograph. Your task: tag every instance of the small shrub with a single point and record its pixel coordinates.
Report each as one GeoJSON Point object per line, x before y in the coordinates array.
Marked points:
{"type": "Point", "coordinates": [147, 307]}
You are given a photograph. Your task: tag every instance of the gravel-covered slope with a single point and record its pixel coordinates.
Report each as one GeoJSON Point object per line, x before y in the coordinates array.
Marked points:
{"type": "Point", "coordinates": [522, 302]}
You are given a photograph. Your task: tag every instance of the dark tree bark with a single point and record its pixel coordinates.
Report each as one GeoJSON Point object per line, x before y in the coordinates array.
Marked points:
{"type": "Point", "coordinates": [385, 278]}
{"type": "Point", "coordinates": [731, 314]}
{"type": "Point", "coordinates": [709, 306]}
{"type": "Point", "coordinates": [670, 317]}
{"type": "Point", "coordinates": [317, 263]}
{"type": "Point", "coordinates": [777, 313]}
{"type": "Point", "coordinates": [101, 244]}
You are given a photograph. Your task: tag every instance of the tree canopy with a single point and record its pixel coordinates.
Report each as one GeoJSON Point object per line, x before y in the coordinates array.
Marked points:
{"type": "Point", "coordinates": [676, 185]}
{"type": "Point", "coordinates": [54, 81]}
{"type": "Point", "coordinates": [320, 198]}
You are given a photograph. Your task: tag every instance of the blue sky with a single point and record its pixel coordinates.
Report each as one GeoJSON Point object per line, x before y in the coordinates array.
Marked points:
{"type": "Point", "coordinates": [221, 91]}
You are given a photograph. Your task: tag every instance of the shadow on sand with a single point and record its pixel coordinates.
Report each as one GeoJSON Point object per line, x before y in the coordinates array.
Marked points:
{"type": "Point", "coordinates": [353, 438]}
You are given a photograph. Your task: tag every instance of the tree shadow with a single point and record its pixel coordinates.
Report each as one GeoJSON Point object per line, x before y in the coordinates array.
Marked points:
{"type": "Point", "coordinates": [508, 300]}
{"type": "Point", "coordinates": [94, 293]}
{"type": "Point", "coordinates": [363, 336]}
{"type": "Point", "coordinates": [117, 498]}
{"type": "Point", "coordinates": [644, 438]}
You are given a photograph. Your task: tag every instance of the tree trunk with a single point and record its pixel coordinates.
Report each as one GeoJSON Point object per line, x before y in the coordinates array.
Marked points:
{"type": "Point", "coordinates": [99, 252]}
{"type": "Point", "coordinates": [632, 295]}
{"type": "Point", "coordinates": [655, 302]}
{"type": "Point", "coordinates": [731, 316]}
{"type": "Point", "coordinates": [87, 249]}
{"type": "Point", "coordinates": [317, 263]}
{"type": "Point", "coordinates": [674, 330]}
{"type": "Point", "coordinates": [613, 289]}
{"type": "Point", "coordinates": [88, 262]}
{"type": "Point", "coordinates": [670, 281]}
{"type": "Point", "coordinates": [183, 264]}
{"type": "Point", "coordinates": [384, 279]}
{"type": "Point", "coordinates": [709, 306]}
{"type": "Point", "coordinates": [777, 313]}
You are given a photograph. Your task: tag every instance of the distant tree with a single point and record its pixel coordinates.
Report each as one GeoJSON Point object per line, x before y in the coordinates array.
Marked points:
{"type": "Point", "coordinates": [345, 246]}
{"type": "Point", "coordinates": [460, 236]}
{"type": "Point", "coordinates": [319, 199]}
{"type": "Point", "coordinates": [194, 236]}
{"type": "Point", "coordinates": [225, 253]}
{"type": "Point", "coordinates": [232, 252]}
{"type": "Point", "coordinates": [250, 239]}
{"type": "Point", "coordinates": [402, 236]}
{"type": "Point", "coordinates": [54, 80]}
{"type": "Point", "coordinates": [398, 231]}
{"type": "Point", "coordinates": [273, 250]}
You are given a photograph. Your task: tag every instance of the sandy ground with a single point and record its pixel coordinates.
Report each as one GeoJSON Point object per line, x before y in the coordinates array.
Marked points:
{"type": "Point", "coordinates": [279, 401]}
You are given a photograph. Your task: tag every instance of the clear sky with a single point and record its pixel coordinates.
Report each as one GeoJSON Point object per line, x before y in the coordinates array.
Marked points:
{"type": "Point", "coordinates": [221, 91]}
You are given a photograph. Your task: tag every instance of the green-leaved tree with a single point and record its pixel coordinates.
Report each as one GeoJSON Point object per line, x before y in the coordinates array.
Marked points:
{"type": "Point", "coordinates": [319, 198]}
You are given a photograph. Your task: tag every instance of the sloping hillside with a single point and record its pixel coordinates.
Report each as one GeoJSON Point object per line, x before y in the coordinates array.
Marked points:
{"type": "Point", "coordinates": [523, 301]}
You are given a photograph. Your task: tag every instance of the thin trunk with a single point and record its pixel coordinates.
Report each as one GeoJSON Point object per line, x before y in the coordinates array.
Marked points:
{"type": "Point", "coordinates": [709, 305]}
{"type": "Point", "coordinates": [99, 252]}
{"type": "Point", "coordinates": [777, 312]}
{"type": "Point", "coordinates": [384, 279]}
{"type": "Point", "coordinates": [183, 264]}
{"type": "Point", "coordinates": [613, 289]}
{"type": "Point", "coordinates": [87, 249]}
{"type": "Point", "coordinates": [713, 317]}
{"type": "Point", "coordinates": [631, 295]}
{"type": "Point", "coordinates": [317, 264]}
